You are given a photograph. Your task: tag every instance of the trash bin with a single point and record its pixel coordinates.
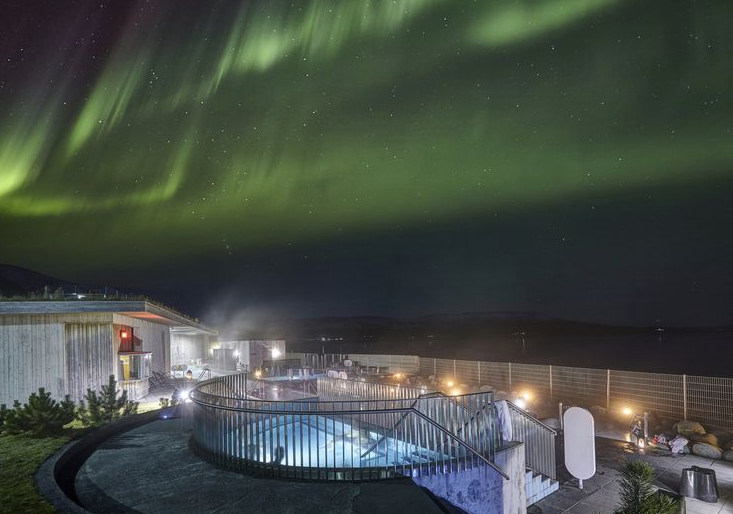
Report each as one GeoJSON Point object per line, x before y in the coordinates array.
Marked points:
{"type": "Point", "coordinates": [699, 483]}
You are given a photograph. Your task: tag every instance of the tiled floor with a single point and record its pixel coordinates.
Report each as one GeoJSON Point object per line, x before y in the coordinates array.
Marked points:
{"type": "Point", "coordinates": [600, 493]}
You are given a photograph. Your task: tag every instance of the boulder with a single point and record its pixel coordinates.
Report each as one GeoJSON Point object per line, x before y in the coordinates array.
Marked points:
{"type": "Point", "coordinates": [655, 424]}
{"type": "Point", "coordinates": [728, 456]}
{"type": "Point", "coordinates": [598, 411]}
{"type": "Point", "coordinates": [687, 428]}
{"type": "Point", "coordinates": [707, 450]}
{"type": "Point", "coordinates": [706, 438]}
{"type": "Point", "coordinates": [552, 423]}
{"type": "Point", "coordinates": [724, 436]}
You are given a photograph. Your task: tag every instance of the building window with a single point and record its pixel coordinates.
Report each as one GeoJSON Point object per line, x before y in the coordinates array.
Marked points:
{"type": "Point", "coordinates": [134, 366]}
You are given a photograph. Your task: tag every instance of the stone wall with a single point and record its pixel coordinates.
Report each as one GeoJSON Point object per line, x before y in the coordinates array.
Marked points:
{"type": "Point", "coordinates": [483, 490]}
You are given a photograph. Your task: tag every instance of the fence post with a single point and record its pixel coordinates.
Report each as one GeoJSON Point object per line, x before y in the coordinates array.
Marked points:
{"type": "Point", "coordinates": [435, 368]}
{"type": "Point", "coordinates": [559, 415]}
{"type": "Point", "coordinates": [510, 377]}
{"type": "Point", "coordinates": [684, 397]}
{"type": "Point", "coordinates": [478, 372]}
{"type": "Point", "coordinates": [455, 377]}
{"type": "Point", "coordinates": [608, 389]}
{"type": "Point", "coordinates": [551, 396]}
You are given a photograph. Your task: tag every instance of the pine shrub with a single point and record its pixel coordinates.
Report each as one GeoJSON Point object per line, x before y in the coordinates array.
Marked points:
{"type": "Point", "coordinates": [106, 406]}
{"type": "Point", "coordinates": [3, 415]}
{"type": "Point", "coordinates": [41, 416]}
{"type": "Point", "coordinates": [638, 494]}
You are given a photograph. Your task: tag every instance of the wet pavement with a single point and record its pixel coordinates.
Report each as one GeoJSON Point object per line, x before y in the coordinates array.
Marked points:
{"type": "Point", "coordinates": [600, 493]}
{"type": "Point", "coordinates": [151, 470]}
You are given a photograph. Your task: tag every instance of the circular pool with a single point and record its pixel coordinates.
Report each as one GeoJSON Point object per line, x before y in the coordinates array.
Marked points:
{"type": "Point", "coordinates": [377, 432]}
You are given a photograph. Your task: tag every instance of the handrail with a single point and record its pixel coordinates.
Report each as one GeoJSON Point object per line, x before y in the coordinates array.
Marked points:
{"type": "Point", "coordinates": [203, 372]}
{"type": "Point", "coordinates": [524, 413]}
{"type": "Point", "coordinates": [472, 414]}
{"type": "Point", "coordinates": [391, 430]}
{"type": "Point", "coordinates": [538, 439]}
{"type": "Point", "coordinates": [450, 450]}
{"type": "Point", "coordinates": [462, 443]}
{"type": "Point", "coordinates": [409, 410]}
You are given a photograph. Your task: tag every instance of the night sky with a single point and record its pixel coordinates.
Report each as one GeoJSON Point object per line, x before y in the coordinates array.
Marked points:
{"type": "Point", "coordinates": [572, 158]}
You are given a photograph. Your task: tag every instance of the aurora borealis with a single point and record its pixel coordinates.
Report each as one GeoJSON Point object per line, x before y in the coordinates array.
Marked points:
{"type": "Point", "coordinates": [572, 157]}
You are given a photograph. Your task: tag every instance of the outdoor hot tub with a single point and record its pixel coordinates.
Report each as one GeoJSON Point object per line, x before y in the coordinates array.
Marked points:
{"type": "Point", "coordinates": [350, 431]}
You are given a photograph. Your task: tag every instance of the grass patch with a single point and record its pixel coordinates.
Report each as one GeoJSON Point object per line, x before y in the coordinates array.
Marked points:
{"type": "Point", "coordinates": [20, 457]}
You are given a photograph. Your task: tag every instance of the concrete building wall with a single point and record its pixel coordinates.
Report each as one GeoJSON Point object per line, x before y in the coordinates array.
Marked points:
{"type": "Point", "coordinates": [186, 348]}
{"type": "Point", "coordinates": [483, 490]}
{"type": "Point", "coordinates": [156, 338]}
{"type": "Point", "coordinates": [253, 353]}
{"type": "Point", "coordinates": [90, 357]}
{"type": "Point", "coordinates": [69, 352]}
{"type": "Point", "coordinates": [32, 355]}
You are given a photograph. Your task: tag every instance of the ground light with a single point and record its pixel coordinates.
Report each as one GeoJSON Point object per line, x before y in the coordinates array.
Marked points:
{"type": "Point", "coordinates": [627, 411]}
{"type": "Point", "coordinates": [521, 403]}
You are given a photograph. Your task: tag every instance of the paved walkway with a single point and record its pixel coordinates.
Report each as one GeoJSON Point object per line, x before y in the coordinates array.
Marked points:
{"type": "Point", "coordinates": [600, 493]}
{"type": "Point", "coordinates": [151, 470]}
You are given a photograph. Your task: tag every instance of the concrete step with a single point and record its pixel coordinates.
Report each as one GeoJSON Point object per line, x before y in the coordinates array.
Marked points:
{"type": "Point", "coordinates": [539, 486]}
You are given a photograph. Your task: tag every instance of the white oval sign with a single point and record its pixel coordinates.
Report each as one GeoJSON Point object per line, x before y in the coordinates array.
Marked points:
{"type": "Point", "coordinates": [580, 443]}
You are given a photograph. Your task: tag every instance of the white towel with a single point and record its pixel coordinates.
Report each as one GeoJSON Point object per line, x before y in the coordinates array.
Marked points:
{"type": "Point", "coordinates": [504, 420]}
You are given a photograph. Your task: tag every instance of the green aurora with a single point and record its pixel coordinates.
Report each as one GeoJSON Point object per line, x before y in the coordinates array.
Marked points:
{"type": "Point", "coordinates": [217, 128]}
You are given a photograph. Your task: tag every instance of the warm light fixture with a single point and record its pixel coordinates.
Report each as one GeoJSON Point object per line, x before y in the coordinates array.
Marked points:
{"type": "Point", "coordinates": [526, 395]}
{"type": "Point", "coordinates": [257, 373]}
{"type": "Point", "coordinates": [521, 403]}
{"type": "Point", "coordinates": [626, 411]}
{"type": "Point", "coordinates": [124, 334]}
{"type": "Point", "coordinates": [449, 383]}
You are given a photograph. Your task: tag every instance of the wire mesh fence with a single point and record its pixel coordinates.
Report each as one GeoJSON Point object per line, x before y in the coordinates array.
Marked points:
{"type": "Point", "coordinates": [708, 400]}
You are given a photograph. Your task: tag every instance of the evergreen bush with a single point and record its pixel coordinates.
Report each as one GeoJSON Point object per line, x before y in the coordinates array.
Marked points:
{"type": "Point", "coordinates": [106, 406]}
{"type": "Point", "coordinates": [41, 416]}
{"type": "Point", "coordinates": [3, 415]}
{"type": "Point", "coordinates": [638, 494]}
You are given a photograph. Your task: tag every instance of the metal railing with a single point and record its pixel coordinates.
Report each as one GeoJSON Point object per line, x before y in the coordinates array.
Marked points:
{"type": "Point", "coordinates": [328, 440]}
{"type": "Point", "coordinates": [538, 439]}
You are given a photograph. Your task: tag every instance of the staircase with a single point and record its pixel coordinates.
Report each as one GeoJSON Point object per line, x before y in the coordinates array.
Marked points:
{"type": "Point", "coordinates": [539, 486]}
{"type": "Point", "coordinates": [539, 446]}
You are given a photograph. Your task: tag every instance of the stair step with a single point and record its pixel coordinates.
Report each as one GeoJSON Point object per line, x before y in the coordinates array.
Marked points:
{"type": "Point", "coordinates": [539, 486]}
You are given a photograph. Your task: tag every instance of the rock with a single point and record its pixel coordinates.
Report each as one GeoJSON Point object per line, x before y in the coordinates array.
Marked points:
{"type": "Point", "coordinates": [552, 423]}
{"type": "Point", "coordinates": [687, 428]}
{"type": "Point", "coordinates": [724, 436]}
{"type": "Point", "coordinates": [655, 424]}
{"type": "Point", "coordinates": [598, 411]}
{"type": "Point", "coordinates": [728, 456]}
{"type": "Point", "coordinates": [705, 438]}
{"type": "Point", "coordinates": [707, 450]}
